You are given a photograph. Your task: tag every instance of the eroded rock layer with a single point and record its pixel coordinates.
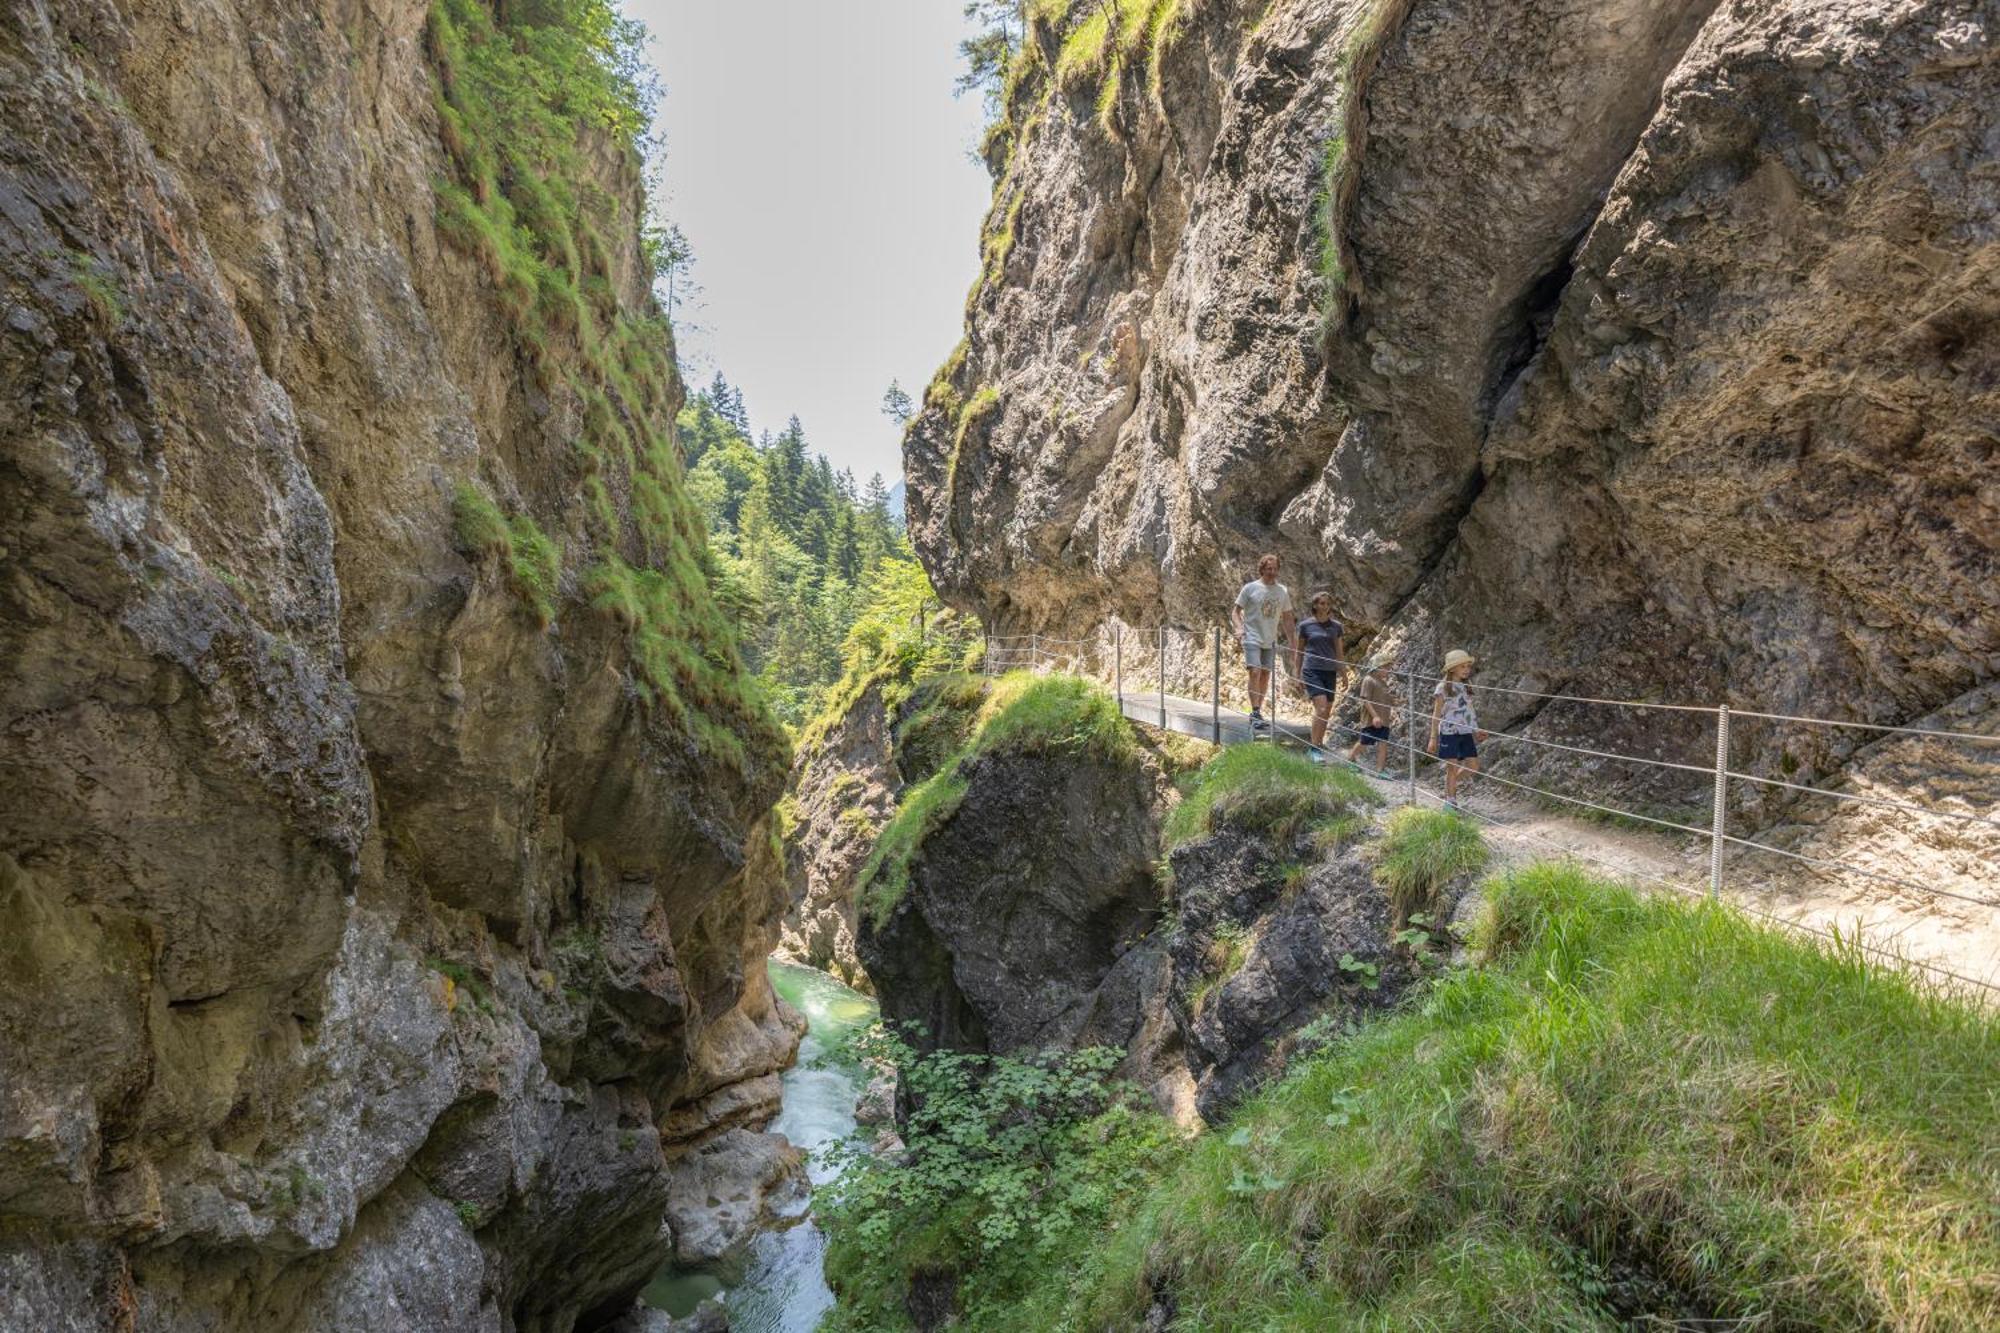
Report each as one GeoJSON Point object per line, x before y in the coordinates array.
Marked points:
{"type": "Point", "coordinates": [1648, 349]}
{"type": "Point", "coordinates": [380, 915]}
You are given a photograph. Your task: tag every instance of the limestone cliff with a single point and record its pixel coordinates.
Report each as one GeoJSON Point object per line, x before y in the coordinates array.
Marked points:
{"type": "Point", "coordinates": [381, 928]}
{"type": "Point", "coordinates": [1643, 347]}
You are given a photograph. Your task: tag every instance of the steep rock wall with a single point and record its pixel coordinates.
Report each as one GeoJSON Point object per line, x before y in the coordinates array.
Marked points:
{"type": "Point", "coordinates": [380, 915]}
{"type": "Point", "coordinates": [1646, 348]}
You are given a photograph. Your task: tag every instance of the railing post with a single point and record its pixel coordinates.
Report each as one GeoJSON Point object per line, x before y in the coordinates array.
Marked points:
{"type": "Point", "coordinates": [1721, 801]}
{"type": "Point", "coordinates": [1163, 678]}
{"type": "Point", "coordinates": [1410, 735]}
{"type": "Point", "coordinates": [1118, 660]}
{"type": "Point", "coordinates": [1215, 688]}
{"type": "Point", "coordinates": [1276, 689]}
{"type": "Point", "coordinates": [1034, 650]}
{"type": "Point", "coordinates": [986, 653]}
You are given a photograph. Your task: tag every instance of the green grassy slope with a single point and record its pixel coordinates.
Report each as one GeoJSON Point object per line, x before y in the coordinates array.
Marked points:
{"type": "Point", "coordinates": [1626, 1109]}
{"type": "Point", "coordinates": [1634, 1107]}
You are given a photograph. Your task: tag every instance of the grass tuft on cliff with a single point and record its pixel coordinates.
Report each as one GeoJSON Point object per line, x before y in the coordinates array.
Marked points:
{"type": "Point", "coordinates": [1110, 38]}
{"type": "Point", "coordinates": [1422, 851]}
{"type": "Point", "coordinates": [1023, 713]}
{"type": "Point", "coordinates": [533, 562]}
{"type": "Point", "coordinates": [1633, 1110]}
{"type": "Point", "coordinates": [1265, 789]}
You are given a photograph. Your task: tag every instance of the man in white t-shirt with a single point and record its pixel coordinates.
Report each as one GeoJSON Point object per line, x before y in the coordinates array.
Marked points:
{"type": "Point", "coordinates": [1262, 618]}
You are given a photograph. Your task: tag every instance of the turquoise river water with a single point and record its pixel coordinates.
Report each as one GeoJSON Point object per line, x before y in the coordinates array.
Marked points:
{"type": "Point", "coordinates": [783, 1287]}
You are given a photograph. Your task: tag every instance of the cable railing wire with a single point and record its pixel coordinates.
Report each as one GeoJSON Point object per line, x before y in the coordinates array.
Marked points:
{"type": "Point", "coordinates": [1981, 737]}
{"type": "Point", "coordinates": [1751, 909]}
{"type": "Point", "coordinates": [1407, 674]}
{"type": "Point", "coordinates": [1141, 634]}
{"type": "Point", "coordinates": [1884, 876]}
{"type": "Point", "coordinates": [1039, 651]}
{"type": "Point", "coordinates": [1279, 727]}
{"type": "Point", "coordinates": [1882, 801]}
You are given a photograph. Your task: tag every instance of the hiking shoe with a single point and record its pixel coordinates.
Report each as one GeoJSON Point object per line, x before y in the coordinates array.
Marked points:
{"type": "Point", "coordinates": [1314, 753]}
{"type": "Point", "coordinates": [1257, 722]}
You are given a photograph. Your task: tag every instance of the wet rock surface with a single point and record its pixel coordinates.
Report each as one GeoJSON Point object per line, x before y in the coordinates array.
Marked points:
{"type": "Point", "coordinates": [359, 931]}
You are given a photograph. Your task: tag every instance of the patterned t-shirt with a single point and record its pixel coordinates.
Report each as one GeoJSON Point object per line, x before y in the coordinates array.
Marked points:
{"type": "Point", "coordinates": [1458, 719]}
{"type": "Point", "coordinates": [1263, 604]}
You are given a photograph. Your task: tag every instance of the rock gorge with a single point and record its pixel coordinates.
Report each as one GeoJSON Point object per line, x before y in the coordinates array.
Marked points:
{"type": "Point", "coordinates": [1649, 349]}
{"type": "Point", "coordinates": [386, 872]}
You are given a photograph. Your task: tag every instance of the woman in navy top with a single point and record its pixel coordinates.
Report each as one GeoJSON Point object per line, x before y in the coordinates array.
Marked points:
{"type": "Point", "coordinates": [1321, 652]}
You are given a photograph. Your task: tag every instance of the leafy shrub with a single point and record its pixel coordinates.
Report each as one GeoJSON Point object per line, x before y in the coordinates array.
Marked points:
{"type": "Point", "coordinates": [1009, 1164]}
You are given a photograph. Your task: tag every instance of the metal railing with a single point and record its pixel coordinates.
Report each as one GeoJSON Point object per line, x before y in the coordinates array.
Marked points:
{"type": "Point", "coordinates": [1104, 657]}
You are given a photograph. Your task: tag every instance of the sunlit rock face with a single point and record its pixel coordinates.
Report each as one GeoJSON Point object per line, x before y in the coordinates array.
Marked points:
{"type": "Point", "coordinates": [1660, 357]}
{"type": "Point", "coordinates": [374, 951]}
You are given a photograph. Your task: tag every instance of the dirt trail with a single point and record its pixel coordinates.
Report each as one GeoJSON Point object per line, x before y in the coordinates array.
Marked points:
{"type": "Point", "coordinates": [1960, 937]}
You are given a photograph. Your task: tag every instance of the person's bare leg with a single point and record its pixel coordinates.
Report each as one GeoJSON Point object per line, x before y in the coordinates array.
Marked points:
{"type": "Point", "coordinates": [1472, 766]}
{"type": "Point", "coordinates": [1381, 755]}
{"type": "Point", "coordinates": [1319, 721]}
{"type": "Point", "coordinates": [1258, 678]}
{"type": "Point", "coordinates": [1450, 780]}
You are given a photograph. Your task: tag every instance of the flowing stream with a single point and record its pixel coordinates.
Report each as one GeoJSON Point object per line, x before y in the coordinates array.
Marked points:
{"type": "Point", "coordinates": [783, 1287]}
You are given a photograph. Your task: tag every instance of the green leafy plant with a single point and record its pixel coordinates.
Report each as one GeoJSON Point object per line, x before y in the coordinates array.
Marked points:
{"type": "Point", "coordinates": [1343, 1108]}
{"type": "Point", "coordinates": [1416, 937]}
{"type": "Point", "coordinates": [1008, 1164]}
{"type": "Point", "coordinates": [1366, 973]}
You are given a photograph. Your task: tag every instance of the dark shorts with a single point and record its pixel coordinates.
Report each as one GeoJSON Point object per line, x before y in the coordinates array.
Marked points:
{"type": "Point", "coordinates": [1374, 733]}
{"type": "Point", "coordinates": [1457, 747]}
{"type": "Point", "coordinates": [1319, 684]}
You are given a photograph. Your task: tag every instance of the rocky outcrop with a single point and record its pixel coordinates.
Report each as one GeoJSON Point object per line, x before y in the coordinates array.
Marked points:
{"type": "Point", "coordinates": [1649, 349]}
{"type": "Point", "coordinates": [1261, 935]}
{"type": "Point", "coordinates": [377, 873]}
{"type": "Point", "coordinates": [1029, 913]}
{"type": "Point", "coordinates": [893, 729]}
{"type": "Point", "coordinates": [1019, 906]}
{"type": "Point", "coordinates": [843, 790]}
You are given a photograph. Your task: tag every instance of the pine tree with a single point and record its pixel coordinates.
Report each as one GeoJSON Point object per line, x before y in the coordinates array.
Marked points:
{"type": "Point", "coordinates": [878, 524]}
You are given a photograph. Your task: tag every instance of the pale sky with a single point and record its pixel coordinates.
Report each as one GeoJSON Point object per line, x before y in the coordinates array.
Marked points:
{"type": "Point", "coordinates": [817, 162]}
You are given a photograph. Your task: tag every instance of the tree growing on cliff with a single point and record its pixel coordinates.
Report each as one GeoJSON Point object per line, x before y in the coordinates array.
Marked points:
{"type": "Point", "coordinates": [987, 54]}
